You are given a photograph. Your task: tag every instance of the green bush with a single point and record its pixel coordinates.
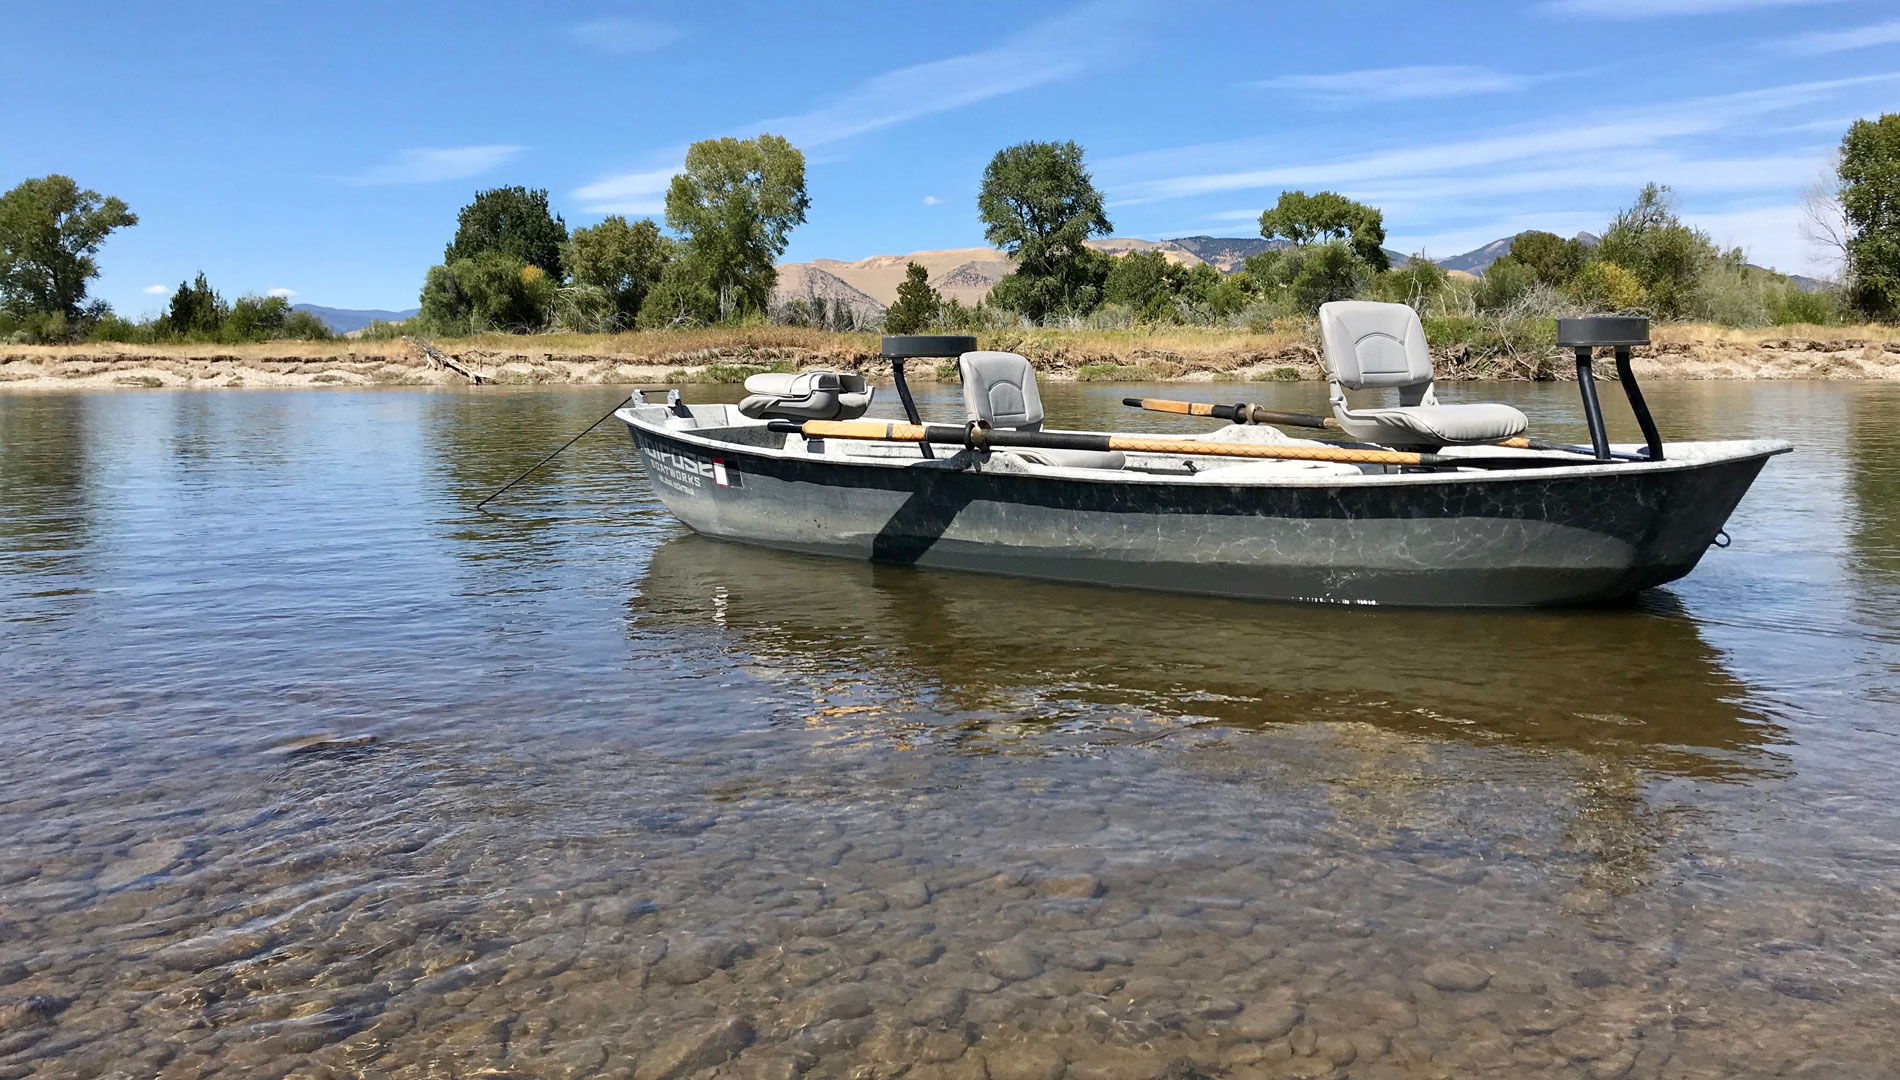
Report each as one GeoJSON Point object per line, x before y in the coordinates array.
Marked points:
{"type": "Point", "coordinates": [1505, 283]}
{"type": "Point", "coordinates": [1605, 286]}
{"type": "Point", "coordinates": [1791, 305]}
{"type": "Point", "coordinates": [491, 291]}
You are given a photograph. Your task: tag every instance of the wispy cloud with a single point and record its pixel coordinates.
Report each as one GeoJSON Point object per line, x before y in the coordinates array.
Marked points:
{"type": "Point", "coordinates": [1648, 9]}
{"type": "Point", "coordinates": [285, 293]}
{"type": "Point", "coordinates": [931, 200]}
{"type": "Point", "coordinates": [1025, 61]}
{"type": "Point", "coordinates": [623, 36]}
{"type": "Point", "coordinates": [428, 165]}
{"type": "Point", "coordinates": [1398, 83]}
{"type": "Point", "coordinates": [1589, 137]}
{"type": "Point", "coordinates": [1820, 42]}
{"type": "Point", "coordinates": [156, 290]}
{"type": "Point", "coordinates": [628, 193]}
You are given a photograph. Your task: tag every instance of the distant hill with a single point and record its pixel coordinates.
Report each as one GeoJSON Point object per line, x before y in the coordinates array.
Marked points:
{"type": "Point", "coordinates": [344, 320]}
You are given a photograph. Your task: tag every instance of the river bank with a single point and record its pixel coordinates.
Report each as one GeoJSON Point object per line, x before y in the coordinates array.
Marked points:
{"type": "Point", "coordinates": [729, 355]}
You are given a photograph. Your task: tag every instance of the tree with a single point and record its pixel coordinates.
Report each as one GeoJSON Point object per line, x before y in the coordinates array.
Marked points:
{"type": "Point", "coordinates": [1039, 204]}
{"type": "Point", "coordinates": [682, 297]}
{"type": "Point", "coordinates": [623, 261]}
{"type": "Point", "coordinates": [1141, 278]}
{"type": "Point", "coordinates": [49, 232]}
{"type": "Point", "coordinates": [1667, 257]}
{"type": "Point", "coordinates": [491, 291]}
{"type": "Point", "coordinates": [917, 303]}
{"type": "Point", "coordinates": [1870, 204]}
{"type": "Point", "coordinates": [514, 221]}
{"type": "Point", "coordinates": [1550, 258]}
{"type": "Point", "coordinates": [1328, 217]}
{"type": "Point", "coordinates": [196, 308]}
{"type": "Point", "coordinates": [735, 206]}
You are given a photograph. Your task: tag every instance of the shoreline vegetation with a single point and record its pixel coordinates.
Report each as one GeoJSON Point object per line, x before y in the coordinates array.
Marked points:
{"type": "Point", "coordinates": [728, 355]}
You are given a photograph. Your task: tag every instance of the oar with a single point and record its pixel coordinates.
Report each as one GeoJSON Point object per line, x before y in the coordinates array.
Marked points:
{"type": "Point", "coordinates": [1243, 413]}
{"type": "Point", "coordinates": [979, 437]}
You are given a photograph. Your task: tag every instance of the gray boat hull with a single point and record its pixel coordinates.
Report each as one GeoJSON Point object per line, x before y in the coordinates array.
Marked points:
{"type": "Point", "coordinates": [1506, 539]}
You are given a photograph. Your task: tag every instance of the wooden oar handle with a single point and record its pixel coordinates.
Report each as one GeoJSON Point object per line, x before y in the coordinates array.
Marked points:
{"type": "Point", "coordinates": [1183, 408]}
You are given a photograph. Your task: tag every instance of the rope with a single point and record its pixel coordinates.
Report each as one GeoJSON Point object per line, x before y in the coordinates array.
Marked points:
{"type": "Point", "coordinates": [554, 455]}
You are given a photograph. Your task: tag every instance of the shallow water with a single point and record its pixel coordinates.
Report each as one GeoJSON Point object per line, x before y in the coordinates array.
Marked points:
{"type": "Point", "coordinates": [307, 768]}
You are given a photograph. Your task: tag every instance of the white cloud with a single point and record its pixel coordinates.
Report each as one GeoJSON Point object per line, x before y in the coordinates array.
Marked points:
{"type": "Point", "coordinates": [1399, 83]}
{"type": "Point", "coordinates": [931, 200]}
{"type": "Point", "coordinates": [285, 293]}
{"type": "Point", "coordinates": [156, 290]}
{"type": "Point", "coordinates": [1819, 42]}
{"type": "Point", "coordinates": [1644, 9]}
{"type": "Point", "coordinates": [623, 36]}
{"type": "Point", "coordinates": [1594, 139]}
{"type": "Point", "coordinates": [427, 165]}
{"type": "Point", "coordinates": [629, 193]}
{"type": "Point", "coordinates": [1026, 60]}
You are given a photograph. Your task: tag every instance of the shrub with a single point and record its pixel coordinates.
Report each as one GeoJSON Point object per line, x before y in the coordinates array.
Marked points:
{"type": "Point", "coordinates": [1605, 286]}
{"type": "Point", "coordinates": [491, 291]}
{"type": "Point", "coordinates": [1505, 282]}
{"type": "Point", "coordinates": [1790, 305]}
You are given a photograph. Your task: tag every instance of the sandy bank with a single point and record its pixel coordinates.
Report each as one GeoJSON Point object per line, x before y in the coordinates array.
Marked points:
{"type": "Point", "coordinates": [729, 355]}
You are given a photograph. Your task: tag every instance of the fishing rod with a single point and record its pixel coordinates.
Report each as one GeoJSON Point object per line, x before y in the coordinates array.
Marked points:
{"type": "Point", "coordinates": [977, 435]}
{"type": "Point", "coordinates": [557, 453]}
{"type": "Point", "coordinates": [1243, 413]}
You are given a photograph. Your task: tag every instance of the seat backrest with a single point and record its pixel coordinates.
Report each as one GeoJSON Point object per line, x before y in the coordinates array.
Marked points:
{"type": "Point", "coordinates": [1369, 344]}
{"type": "Point", "coordinates": [1000, 389]}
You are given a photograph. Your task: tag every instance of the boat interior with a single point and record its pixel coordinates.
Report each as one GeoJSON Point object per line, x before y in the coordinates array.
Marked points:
{"type": "Point", "coordinates": [1367, 347]}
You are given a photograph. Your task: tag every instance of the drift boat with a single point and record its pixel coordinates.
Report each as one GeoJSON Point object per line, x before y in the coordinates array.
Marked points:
{"type": "Point", "coordinates": [1430, 505]}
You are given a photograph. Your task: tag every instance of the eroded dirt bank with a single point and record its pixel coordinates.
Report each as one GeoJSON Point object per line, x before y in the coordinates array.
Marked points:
{"type": "Point", "coordinates": [708, 357]}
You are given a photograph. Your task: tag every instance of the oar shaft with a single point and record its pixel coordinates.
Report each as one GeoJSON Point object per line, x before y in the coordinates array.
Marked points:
{"type": "Point", "coordinates": [983, 438]}
{"type": "Point", "coordinates": [1240, 413]}
{"type": "Point", "coordinates": [1244, 413]}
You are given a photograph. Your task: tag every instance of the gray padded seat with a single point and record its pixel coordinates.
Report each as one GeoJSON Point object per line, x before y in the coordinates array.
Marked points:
{"type": "Point", "coordinates": [810, 395]}
{"type": "Point", "coordinates": [1000, 389]}
{"type": "Point", "coordinates": [1372, 345]}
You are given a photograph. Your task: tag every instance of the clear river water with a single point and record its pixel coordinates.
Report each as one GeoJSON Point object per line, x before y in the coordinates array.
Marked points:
{"type": "Point", "coordinates": [308, 768]}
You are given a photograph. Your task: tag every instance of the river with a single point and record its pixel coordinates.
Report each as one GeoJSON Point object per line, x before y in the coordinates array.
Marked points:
{"type": "Point", "coordinates": [309, 768]}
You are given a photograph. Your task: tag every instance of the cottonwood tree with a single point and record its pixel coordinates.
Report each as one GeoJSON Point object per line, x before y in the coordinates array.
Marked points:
{"type": "Point", "coordinates": [513, 221]}
{"type": "Point", "coordinates": [49, 232]}
{"type": "Point", "coordinates": [1870, 204]}
{"type": "Point", "coordinates": [1333, 248]}
{"type": "Point", "coordinates": [623, 261]}
{"type": "Point", "coordinates": [1328, 217]}
{"type": "Point", "coordinates": [1039, 204]}
{"type": "Point", "coordinates": [734, 207]}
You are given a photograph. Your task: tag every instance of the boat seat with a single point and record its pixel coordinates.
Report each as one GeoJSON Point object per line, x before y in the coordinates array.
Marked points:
{"type": "Point", "coordinates": [1370, 345]}
{"type": "Point", "coordinates": [809, 395]}
{"type": "Point", "coordinates": [999, 388]}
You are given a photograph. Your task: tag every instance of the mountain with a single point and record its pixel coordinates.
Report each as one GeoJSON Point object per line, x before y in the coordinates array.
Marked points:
{"type": "Point", "coordinates": [344, 320]}
{"type": "Point", "coordinates": [805, 282]}
{"type": "Point", "coordinates": [1475, 260]}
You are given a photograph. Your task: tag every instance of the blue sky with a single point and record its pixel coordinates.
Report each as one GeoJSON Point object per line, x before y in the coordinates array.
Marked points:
{"type": "Point", "coordinates": [324, 149]}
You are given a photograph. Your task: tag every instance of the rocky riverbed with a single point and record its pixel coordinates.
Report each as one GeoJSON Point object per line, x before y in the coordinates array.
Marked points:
{"type": "Point", "coordinates": [310, 769]}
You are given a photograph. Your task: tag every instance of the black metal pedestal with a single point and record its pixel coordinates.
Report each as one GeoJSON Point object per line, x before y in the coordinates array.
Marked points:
{"type": "Point", "coordinates": [1620, 333]}
{"type": "Point", "coordinates": [901, 347]}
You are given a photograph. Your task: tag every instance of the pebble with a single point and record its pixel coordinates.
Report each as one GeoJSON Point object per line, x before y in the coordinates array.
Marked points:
{"type": "Point", "coordinates": [1017, 1062]}
{"type": "Point", "coordinates": [1011, 962]}
{"type": "Point", "coordinates": [1071, 887]}
{"type": "Point", "coordinates": [1456, 976]}
{"type": "Point", "coordinates": [692, 1050]}
{"type": "Point", "coordinates": [11, 973]}
{"type": "Point", "coordinates": [839, 1003]}
{"type": "Point", "coordinates": [32, 1011]}
{"type": "Point", "coordinates": [1267, 1020]}
{"type": "Point", "coordinates": [908, 895]}
{"type": "Point", "coordinates": [937, 1008]}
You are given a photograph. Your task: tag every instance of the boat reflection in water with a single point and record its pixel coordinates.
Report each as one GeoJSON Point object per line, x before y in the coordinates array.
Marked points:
{"type": "Point", "coordinates": [991, 661]}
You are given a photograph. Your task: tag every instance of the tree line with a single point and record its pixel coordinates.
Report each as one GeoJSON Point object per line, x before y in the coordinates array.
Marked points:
{"type": "Point", "coordinates": [513, 265]}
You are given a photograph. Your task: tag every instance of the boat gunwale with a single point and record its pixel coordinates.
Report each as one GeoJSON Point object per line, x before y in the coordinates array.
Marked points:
{"type": "Point", "coordinates": [1746, 449]}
